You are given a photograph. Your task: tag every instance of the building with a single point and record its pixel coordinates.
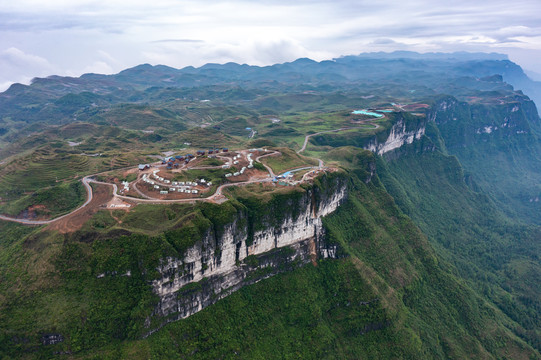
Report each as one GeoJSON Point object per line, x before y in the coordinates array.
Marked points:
{"type": "Point", "coordinates": [144, 166]}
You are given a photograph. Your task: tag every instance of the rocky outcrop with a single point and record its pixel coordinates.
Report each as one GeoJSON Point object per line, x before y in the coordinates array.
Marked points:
{"type": "Point", "coordinates": [246, 250]}
{"type": "Point", "coordinates": [462, 124]}
{"type": "Point", "coordinates": [399, 135]}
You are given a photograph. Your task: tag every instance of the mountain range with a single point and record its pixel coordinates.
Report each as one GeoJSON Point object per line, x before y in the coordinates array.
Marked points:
{"type": "Point", "coordinates": [418, 237]}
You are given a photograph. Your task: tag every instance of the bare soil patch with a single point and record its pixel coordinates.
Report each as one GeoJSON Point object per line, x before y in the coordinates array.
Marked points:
{"type": "Point", "coordinates": [101, 195]}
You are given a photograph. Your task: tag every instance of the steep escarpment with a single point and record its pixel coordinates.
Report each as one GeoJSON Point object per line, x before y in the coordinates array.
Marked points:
{"type": "Point", "coordinates": [120, 284]}
{"type": "Point", "coordinates": [389, 298]}
{"type": "Point", "coordinates": [498, 146]}
{"type": "Point", "coordinates": [463, 124]}
{"type": "Point", "coordinates": [495, 255]}
{"type": "Point", "coordinates": [370, 287]}
{"type": "Point", "coordinates": [402, 132]}
{"type": "Point", "coordinates": [254, 240]}
{"type": "Point", "coordinates": [398, 129]}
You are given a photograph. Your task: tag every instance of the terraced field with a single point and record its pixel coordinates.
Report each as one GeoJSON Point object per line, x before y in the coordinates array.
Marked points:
{"type": "Point", "coordinates": [120, 161]}
{"type": "Point", "coordinates": [43, 168]}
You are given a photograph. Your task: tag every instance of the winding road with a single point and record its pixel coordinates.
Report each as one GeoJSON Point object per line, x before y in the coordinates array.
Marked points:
{"type": "Point", "coordinates": [364, 122]}
{"type": "Point", "coordinates": [218, 194]}
{"type": "Point", "coordinates": [86, 180]}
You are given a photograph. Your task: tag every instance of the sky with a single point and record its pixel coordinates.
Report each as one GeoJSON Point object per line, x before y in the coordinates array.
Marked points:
{"type": "Point", "coordinates": [71, 37]}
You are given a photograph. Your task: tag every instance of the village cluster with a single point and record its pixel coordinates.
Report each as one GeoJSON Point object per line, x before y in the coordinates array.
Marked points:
{"type": "Point", "coordinates": [165, 186]}
{"type": "Point", "coordinates": [175, 161]}
{"type": "Point", "coordinates": [240, 162]}
{"type": "Point", "coordinates": [236, 161]}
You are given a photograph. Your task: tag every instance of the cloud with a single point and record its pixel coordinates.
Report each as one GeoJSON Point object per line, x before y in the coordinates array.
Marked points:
{"type": "Point", "coordinates": [177, 41]}
{"type": "Point", "coordinates": [102, 35]}
{"type": "Point", "coordinates": [250, 50]}
{"type": "Point", "coordinates": [98, 67]}
{"type": "Point", "coordinates": [18, 66]}
{"type": "Point", "coordinates": [16, 58]}
{"type": "Point", "coordinates": [383, 41]}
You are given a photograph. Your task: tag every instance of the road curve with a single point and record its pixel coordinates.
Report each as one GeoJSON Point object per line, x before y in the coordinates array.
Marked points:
{"type": "Point", "coordinates": [307, 137]}
{"type": "Point", "coordinates": [376, 126]}
{"type": "Point", "coordinates": [85, 181]}
{"type": "Point", "coordinates": [88, 179]}
{"type": "Point", "coordinates": [269, 169]}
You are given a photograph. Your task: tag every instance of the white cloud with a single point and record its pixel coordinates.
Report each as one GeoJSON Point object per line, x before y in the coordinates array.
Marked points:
{"type": "Point", "coordinates": [98, 67]}
{"type": "Point", "coordinates": [17, 58]}
{"type": "Point", "coordinates": [18, 66]}
{"type": "Point", "coordinates": [72, 37]}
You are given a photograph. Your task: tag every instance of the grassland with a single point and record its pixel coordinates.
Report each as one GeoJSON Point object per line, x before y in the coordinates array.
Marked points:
{"type": "Point", "coordinates": [287, 161]}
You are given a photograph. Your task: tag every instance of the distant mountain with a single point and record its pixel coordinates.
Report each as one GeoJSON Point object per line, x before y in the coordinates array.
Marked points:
{"type": "Point", "coordinates": [460, 55]}
{"type": "Point", "coordinates": [400, 67]}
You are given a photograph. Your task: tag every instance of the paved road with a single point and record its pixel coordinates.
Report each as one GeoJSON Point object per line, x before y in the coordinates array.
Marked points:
{"type": "Point", "coordinates": [307, 137]}
{"type": "Point", "coordinates": [85, 181]}
{"type": "Point", "coordinates": [271, 173]}
{"type": "Point", "coordinates": [369, 122]}
{"type": "Point", "coordinates": [213, 198]}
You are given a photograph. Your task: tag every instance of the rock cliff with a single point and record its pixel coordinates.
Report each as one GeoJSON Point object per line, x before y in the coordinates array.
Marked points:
{"type": "Point", "coordinates": [463, 124]}
{"type": "Point", "coordinates": [399, 135]}
{"type": "Point", "coordinates": [249, 248]}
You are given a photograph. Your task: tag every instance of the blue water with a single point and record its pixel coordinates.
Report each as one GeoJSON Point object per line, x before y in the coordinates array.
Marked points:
{"type": "Point", "coordinates": [385, 111]}
{"type": "Point", "coordinates": [364, 112]}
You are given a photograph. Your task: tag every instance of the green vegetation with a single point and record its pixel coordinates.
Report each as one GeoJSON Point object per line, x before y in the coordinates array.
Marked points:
{"type": "Point", "coordinates": [43, 168]}
{"type": "Point", "coordinates": [472, 234]}
{"type": "Point", "coordinates": [509, 165]}
{"type": "Point", "coordinates": [215, 176]}
{"type": "Point", "coordinates": [438, 240]}
{"type": "Point", "coordinates": [287, 161]}
{"type": "Point", "coordinates": [387, 243]}
{"type": "Point", "coordinates": [211, 162]}
{"type": "Point", "coordinates": [389, 298]}
{"type": "Point", "coordinates": [49, 201]}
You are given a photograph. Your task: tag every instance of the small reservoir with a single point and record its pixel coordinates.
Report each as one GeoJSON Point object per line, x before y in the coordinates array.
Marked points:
{"type": "Point", "coordinates": [365, 112]}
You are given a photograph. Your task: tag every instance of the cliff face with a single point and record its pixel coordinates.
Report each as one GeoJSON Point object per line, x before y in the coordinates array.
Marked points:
{"type": "Point", "coordinates": [244, 251]}
{"type": "Point", "coordinates": [497, 143]}
{"type": "Point", "coordinates": [398, 136]}
{"type": "Point", "coordinates": [462, 124]}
